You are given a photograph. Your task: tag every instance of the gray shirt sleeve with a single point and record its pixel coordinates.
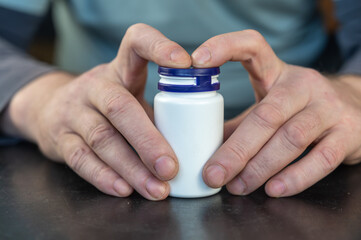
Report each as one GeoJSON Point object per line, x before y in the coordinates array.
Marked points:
{"type": "Point", "coordinates": [16, 70]}
{"type": "Point", "coordinates": [16, 67]}
{"type": "Point", "coordinates": [348, 13]}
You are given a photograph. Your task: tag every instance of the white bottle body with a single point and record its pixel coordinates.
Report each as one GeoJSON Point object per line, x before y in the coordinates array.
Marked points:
{"type": "Point", "coordinates": [192, 123]}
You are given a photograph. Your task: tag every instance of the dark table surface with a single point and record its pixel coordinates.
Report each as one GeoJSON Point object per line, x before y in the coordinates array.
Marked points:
{"type": "Point", "coordinates": [40, 199]}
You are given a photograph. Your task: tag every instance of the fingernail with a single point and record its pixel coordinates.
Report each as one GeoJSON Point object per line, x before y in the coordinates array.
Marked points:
{"type": "Point", "coordinates": [277, 187]}
{"type": "Point", "coordinates": [215, 175]}
{"type": "Point", "coordinates": [238, 187]}
{"type": "Point", "coordinates": [201, 55]}
{"type": "Point", "coordinates": [121, 188]}
{"type": "Point", "coordinates": [155, 188]}
{"type": "Point", "coordinates": [165, 167]}
{"type": "Point", "coordinates": [176, 55]}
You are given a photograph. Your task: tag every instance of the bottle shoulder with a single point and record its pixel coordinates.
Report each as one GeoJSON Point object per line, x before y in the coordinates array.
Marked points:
{"type": "Point", "coordinates": [193, 97]}
{"type": "Point", "coordinates": [188, 94]}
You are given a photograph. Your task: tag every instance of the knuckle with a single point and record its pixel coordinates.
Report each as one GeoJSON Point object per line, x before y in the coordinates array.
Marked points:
{"type": "Point", "coordinates": [134, 29]}
{"type": "Point", "coordinates": [94, 74]}
{"type": "Point", "coordinates": [312, 120]}
{"type": "Point", "coordinates": [99, 135]}
{"type": "Point", "coordinates": [257, 36]}
{"type": "Point", "coordinates": [267, 116]}
{"type": "Point", "coordinates": [295, 136]}
{"type": "Point", "coordinates": [77, 158]}
{"type": "Point", "coordinates": [238, 151]}
{"type": "Point", "coordinates": [147, 143]}
{"type": "Point", "coordinates": [279, 95]}
{"type": "Point", "coordinates": [141, 175]}
{"type": "Point", "coordinates": [330, 158]}
{"type": "Point", "coordinates": [312, 74]}
{"type": "Point", "coordinates": [136, 35]}
{"type": "Point", "coordinates": [255, 172]}
{"type": "Point", "coordinates": [158, 46]}
{"type": "Point", "coordinates": [118, 104]}
{"type": "Point", "coordinates": [160, 49]}
{"type": "Point", "coordinates": [257, 39]}
{"type": "Point", "coordinates": [98, 176]}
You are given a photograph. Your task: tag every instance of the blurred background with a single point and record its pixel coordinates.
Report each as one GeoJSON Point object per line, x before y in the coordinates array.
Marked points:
{"type": "Point", "coordinates": [42, 48]}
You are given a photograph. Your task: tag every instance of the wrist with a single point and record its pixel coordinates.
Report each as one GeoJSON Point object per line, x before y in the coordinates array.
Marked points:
{"type": "Point", "coordinates": [19, 118]}
{"type": "Point", "coordinates": [349, 85]}
{"type": "Point", "coordinates": [353, 81]}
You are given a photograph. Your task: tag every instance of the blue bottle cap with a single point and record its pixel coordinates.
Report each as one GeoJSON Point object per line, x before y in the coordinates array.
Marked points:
{"type": "Point", "coordinates": [203, 79]}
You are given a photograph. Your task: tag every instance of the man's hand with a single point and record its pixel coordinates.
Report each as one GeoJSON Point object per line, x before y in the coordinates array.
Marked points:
{"type": "Point", "coordinates": [296, 107]}
{"type": "Point", "coordinates": [93, 121]}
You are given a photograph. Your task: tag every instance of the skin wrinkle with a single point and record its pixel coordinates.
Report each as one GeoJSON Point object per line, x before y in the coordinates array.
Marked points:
{"type": "Point", "coordinates": [268, 73]}
{"type": "Point", "coordinates": [275, 164]}
{"type": "Point", "coordinates": [310, 76]}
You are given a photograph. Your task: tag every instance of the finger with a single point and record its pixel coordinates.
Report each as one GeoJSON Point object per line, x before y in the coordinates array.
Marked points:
{"type": "Point", "coordinates": [231, 125]}
{"type": "Point", "coordinates": [250, 48]}
{"type": "Point", "coordinates": [281, 103]}
{"type": "Point", "coordinates": [130, 119]}
{"type": "Point", "coordinates": [87, 165]}
{"type": "Point", "coordinates": [317, 164]}
{"type": "Point", "coordinates": [148, 109]}
{"type": "Point", "coordinates": [143, 43]}
{"type": "Point", "coordinates": [289, 142]}
{"type": "Point", "coordinates": [111, 147]}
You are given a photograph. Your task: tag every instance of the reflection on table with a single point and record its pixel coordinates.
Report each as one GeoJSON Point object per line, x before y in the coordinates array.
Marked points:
{"type": "Point", "coordinates": [40, 199]}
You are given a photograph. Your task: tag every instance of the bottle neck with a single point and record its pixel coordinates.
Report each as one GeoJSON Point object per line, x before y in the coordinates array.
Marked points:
{"type": "Point", "coordinates": [191, 94]}
{"type": "Point", "coordinates": [188, 84]}
{"type": "Point", "coordinates": [183, 80]}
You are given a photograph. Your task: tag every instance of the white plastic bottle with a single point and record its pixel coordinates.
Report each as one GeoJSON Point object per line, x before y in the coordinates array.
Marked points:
{"type": "Point", "coordinates": [189, 113]}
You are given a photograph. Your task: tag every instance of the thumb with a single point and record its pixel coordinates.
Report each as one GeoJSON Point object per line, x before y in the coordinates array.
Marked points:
{"type": "Point", "coordinates": [248, 47]}
{"type": "Point", "coordinates": [140, 44]}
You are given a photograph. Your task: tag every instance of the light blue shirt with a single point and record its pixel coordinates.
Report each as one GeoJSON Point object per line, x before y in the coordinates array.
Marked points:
{"type": "Point", "coordinates": [89, 32]}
